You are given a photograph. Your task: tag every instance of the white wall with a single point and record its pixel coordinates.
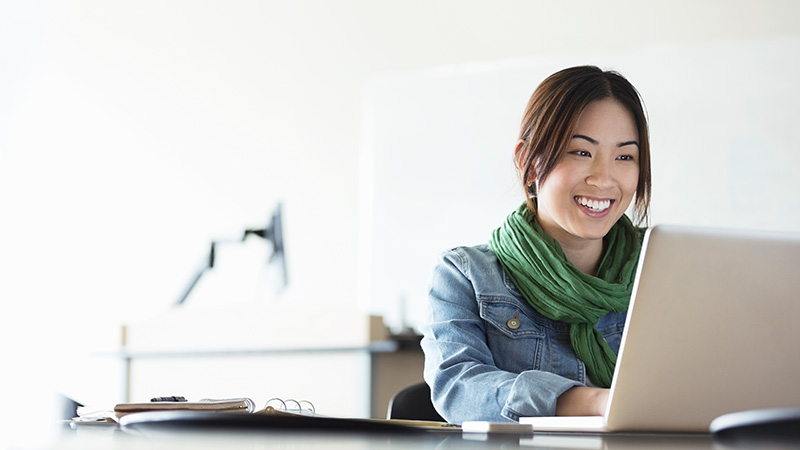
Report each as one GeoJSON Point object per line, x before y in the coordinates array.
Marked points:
{"type": "Point", "coordinates": [722, 124]}
{"type": "Point", "coordinates": [133, 133]}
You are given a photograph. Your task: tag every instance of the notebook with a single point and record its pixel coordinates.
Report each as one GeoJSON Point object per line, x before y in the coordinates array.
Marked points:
{"type": "Point", "coordinates": [713, 327]}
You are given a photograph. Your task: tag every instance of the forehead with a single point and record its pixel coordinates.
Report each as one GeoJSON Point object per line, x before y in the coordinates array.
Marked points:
{"type": "Point", "coordinates": [607, 118]}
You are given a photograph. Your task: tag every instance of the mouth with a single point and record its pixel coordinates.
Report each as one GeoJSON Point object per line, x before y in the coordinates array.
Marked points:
{"type": "Point", "coordinates": [593, 205]}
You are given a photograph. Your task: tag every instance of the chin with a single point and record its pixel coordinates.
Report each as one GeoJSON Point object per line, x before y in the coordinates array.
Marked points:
{"type": "Point", "coordinates": [594, 236]}
{"type": "Point", "coordinates": [595, 232]}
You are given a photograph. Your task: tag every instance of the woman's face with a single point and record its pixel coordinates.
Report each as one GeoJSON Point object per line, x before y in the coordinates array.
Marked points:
{"type": "Point", "coordinates": [594, 182]}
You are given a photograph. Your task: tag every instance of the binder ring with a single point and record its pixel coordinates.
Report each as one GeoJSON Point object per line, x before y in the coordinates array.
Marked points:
{"type": "Point", "coordinates": [276, 398]}
{"type": "Point", "coordinates": [299, 407]}
{"type": "Point", "coordinates": [311, 406]}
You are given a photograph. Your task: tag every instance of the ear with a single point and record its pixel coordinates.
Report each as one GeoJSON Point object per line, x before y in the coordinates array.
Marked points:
{"type": "Point", "coordinates": [517, 154]}
{"type": "Point", "coordinates": [517, 149]}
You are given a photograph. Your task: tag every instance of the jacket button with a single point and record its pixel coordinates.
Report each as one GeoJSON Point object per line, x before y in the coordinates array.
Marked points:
{"type": "Point", "coordinates": [513, 322]}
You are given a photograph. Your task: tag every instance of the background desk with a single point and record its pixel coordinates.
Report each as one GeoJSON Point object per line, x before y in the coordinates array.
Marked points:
{"type": "Point", "coordinates": [346, 364]}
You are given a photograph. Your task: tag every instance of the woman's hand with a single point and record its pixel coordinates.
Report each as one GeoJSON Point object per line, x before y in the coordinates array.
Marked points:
{"type": "Point", "coordinates": [582, 401]}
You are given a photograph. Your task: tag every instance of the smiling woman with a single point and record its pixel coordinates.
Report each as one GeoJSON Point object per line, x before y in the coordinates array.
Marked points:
{"type": "Point", "coordinates": [592, 185]}
{"type": "Point", "coordinates": [529, 324]}
{"type": "Point", "coordinates": [550, 124]}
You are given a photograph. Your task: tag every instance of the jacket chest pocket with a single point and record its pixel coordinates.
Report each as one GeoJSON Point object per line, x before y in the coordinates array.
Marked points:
{"type": "Point", "coordinates": [515, 340]}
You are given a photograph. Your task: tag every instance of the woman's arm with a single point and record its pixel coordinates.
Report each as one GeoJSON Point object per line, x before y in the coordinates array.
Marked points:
{"type": "Point", "coordinates": [582, 401]}
{"type": "Point", "coordinates": [466, 384]}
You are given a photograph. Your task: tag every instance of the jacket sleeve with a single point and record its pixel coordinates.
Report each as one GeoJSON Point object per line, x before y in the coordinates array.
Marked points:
{"type": "Point", "coordinates": [465, 382]}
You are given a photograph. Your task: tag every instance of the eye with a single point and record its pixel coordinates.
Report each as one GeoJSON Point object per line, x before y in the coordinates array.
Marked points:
{"type": "Point", "coordinates": [581, 153]}
{"type": "Point", "coordinates": [626, 158]}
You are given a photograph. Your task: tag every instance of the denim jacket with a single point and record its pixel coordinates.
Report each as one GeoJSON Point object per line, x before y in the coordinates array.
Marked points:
{"type": "Point", "coordinates": [488, 354]}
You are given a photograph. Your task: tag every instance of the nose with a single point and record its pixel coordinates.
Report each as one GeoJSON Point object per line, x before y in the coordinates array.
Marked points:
{"type": "Point", "coordinates": [600, 174]}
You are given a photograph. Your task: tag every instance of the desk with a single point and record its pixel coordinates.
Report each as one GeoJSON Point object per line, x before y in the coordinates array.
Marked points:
{"type": "Point", "coordinates": [345, 363]}
{"type": "Point", "coordinates": [365, 440]}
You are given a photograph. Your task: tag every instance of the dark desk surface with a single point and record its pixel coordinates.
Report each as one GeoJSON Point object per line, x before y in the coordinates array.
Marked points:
{"type": "Point", "coordinates": [300, 440]}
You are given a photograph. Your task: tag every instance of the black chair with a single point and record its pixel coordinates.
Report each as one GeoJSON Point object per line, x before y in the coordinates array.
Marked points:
{"type": "Point", "coordinates": [413, 403]}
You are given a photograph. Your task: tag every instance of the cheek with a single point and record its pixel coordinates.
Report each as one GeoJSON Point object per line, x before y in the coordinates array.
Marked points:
{"type": "Point", "coordinates": [562, 179]}
{"type": "Point", "coordinates": [630, 182]}
{"type": "Point", "coordinates": [554, 191]}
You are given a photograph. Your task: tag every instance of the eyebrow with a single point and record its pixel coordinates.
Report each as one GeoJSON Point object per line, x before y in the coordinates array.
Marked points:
{"type": "Point", "coordinates": [595, 142]}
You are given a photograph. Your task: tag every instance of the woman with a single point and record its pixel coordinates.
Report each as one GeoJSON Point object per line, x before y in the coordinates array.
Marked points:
{"type": "Point", "coordinates": [530, 324]}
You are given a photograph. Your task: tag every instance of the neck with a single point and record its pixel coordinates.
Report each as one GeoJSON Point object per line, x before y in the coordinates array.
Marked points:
{"type": "Point", "coordinates": [585, 258]}
{"type": "Point", "coordinates": [584, 254]}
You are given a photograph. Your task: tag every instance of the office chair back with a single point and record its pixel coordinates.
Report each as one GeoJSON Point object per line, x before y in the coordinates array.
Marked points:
{"type": "Point", "coordinates": [413, 403]}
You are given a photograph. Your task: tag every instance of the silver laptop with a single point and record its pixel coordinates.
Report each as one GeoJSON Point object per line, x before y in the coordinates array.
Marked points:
{"type": "Point", "coordinates": [713, 327]}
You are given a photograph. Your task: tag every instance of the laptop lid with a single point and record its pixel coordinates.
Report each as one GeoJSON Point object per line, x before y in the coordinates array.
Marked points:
{"type": "Point", "coordinates": [712, 328]}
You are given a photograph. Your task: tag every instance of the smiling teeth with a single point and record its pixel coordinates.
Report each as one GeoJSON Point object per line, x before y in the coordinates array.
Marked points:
{"type": "Point", "coordinates": [594, 205]}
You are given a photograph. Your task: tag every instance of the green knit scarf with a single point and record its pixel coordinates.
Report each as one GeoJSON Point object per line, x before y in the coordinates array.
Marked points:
{"type": "Point", "coordinates": [559, 291]}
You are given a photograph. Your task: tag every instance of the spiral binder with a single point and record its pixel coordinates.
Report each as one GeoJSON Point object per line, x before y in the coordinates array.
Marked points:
{"type": "Point", "coordinates": [233, 405]}
{"type": "Point", "coordinates": [279, 406]}
{"type": "Point", "coordinates": [239, 413]}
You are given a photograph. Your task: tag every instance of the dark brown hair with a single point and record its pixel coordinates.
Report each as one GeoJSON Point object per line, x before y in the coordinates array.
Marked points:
{"type": "Point", "coordinates": [553, 112]}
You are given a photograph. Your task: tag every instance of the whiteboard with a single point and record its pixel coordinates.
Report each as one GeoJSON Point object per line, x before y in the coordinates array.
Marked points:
{"type": "Point", "coordinates": [436, 158]}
